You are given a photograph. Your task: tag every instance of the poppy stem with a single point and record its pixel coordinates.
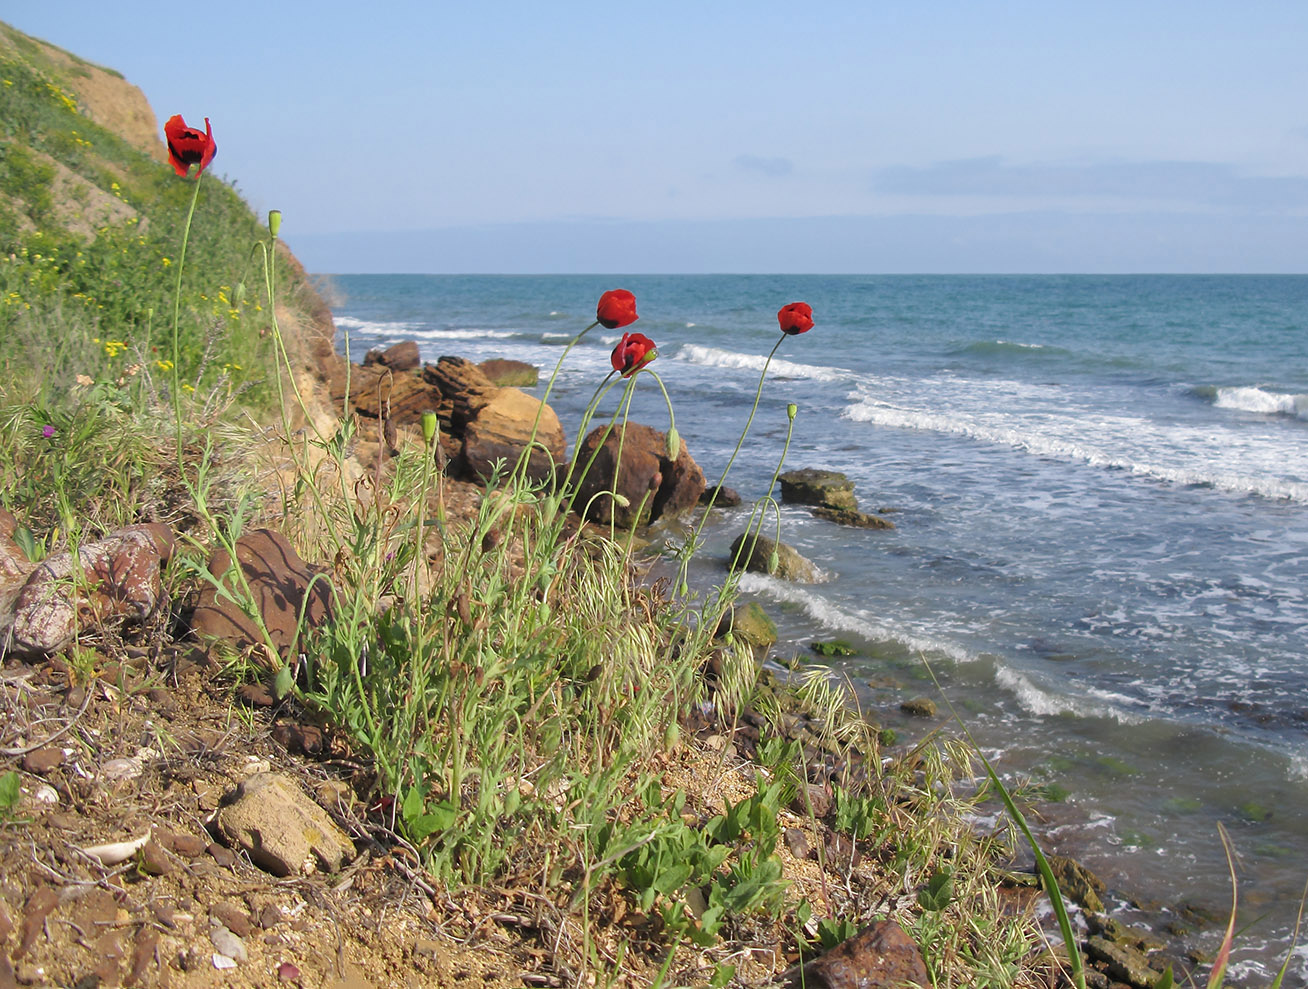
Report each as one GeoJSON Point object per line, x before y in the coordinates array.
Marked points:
{"type": "Point", "coordinates": [672, 419]}
{"type": "Point", "coordinates": [177, 318]}
{"type": "Point", "coordinates": [524, 459]}
{"type": "Point", "coordinates": [694, 539]}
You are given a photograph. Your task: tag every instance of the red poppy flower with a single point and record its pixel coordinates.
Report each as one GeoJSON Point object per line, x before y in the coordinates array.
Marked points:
{"type": "Point", "coordinates": [616, 308]}
{"type": "Point", "coordinates": [187, 146]}
{"type": "Point", "coordinates": [796, 318]}
{"type": "Point", "coordinates": [632, 353]}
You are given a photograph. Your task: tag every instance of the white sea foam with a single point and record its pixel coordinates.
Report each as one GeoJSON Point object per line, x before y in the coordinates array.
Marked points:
{"type": "Point", "coordinates": [823, 611]}
{"type": "Point", "coordinates": [1043, 703]}
{"type": "Point", "coordinates": [1201, 453]}
{"type": "Point", "coordinates": [381, 329]}
{"type": "Point", "coordinates": [714, 357]}
{"type": "Point", "coordinates": [1262, 401]}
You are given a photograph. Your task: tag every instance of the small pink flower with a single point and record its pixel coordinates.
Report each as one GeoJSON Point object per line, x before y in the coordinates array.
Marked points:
{"type": "Point", "coordinates": [48, 432]}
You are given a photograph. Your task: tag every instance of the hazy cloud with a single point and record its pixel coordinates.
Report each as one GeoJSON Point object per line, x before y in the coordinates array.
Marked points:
{"type": "Point", "coordinates": [773, 167]}
{"type": "Point", "coordinates": [1196, 182]}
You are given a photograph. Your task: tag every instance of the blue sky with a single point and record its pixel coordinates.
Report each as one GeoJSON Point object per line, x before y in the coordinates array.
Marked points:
{"type": "Point", "coordinates": [767, 136]}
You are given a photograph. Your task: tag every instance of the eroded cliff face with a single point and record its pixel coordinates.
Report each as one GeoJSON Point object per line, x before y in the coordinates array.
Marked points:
{"type": "Point", "coordinates": [102, 94]}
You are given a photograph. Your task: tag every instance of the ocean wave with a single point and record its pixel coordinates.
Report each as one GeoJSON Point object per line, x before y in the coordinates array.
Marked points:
{"type": "Point", "coordinates": [1040, 444]}
{"type": "Point", "coordinates": [1005, 348]}
{"type": "Point", "coordinates": [714, 357]}
{"type": "Point", "coordinates": [1253, 398]}
{"type": "Point", "coordinates": [1042, 703]}
{"type": "Point", "coordinates": [381, 329]}
{"type": "Point", "coordinates": [831, 617]}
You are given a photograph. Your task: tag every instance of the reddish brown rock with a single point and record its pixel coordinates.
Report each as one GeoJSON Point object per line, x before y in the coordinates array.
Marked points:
{"type": "Point", "coordinates": [14, 564]}
{"type": "Point", "coordinates": [403, 356]}
{"type": "Point", "coordinates": [501, 429]}
{"type": "Point", "coordinates": [880, 956]}
{"type": "Point", "coordinates": [400, 396]}
{"type": "Point", "coordinates": [464, 389]}
{"type": "Point", "coordinates": [279, 581]}
{"type": "Point", "coordinates": [116, 577]}
{"type": "Point", "coordinates": [652, 484]}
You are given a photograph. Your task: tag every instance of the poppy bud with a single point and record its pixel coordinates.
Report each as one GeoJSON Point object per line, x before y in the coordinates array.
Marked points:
{"type": "Point", "coordinates": [774, 561]}
{"type": "Point", "coordinates": [791, 410]}
{"type": "Point", "coordinates": [674, 443]}
{"type": "Point", "coordinates": [239, 295]}
{"type": "Point", "coordinates": [622, 500]}
{"type": "Point", "coordinates": [429, 426]}
{"type": "Point", "coordinates": [274, 221]}
{"type": "Point", "coordinates": [283, 682]}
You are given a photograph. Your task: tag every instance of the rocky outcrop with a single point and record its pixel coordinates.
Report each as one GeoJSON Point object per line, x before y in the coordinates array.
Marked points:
{"type": "Point", "coordinates": [464, 389]}
{"type": "Point", "coordinates": [632, 462]}
{"type": "Point", "coordinates": [114, 578]}
{"type": "Point", "coordinates": [380, 392]}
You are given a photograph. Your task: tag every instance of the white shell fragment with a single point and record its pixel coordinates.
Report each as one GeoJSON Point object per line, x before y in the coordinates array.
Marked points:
{"type": "Point", "coordinates": [118, 851]}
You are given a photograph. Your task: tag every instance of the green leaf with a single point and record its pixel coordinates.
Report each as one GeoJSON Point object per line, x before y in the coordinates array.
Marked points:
{"type": "Point", "coordinates": [939, 890]}
{"type": "Point", "coordinates": [9, 791]}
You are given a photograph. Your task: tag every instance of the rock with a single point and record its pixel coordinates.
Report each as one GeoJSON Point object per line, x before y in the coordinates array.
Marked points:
{"type": "Point", "coordinates": [280, 828]}
{"type": "Point", "coordinates": [510, 374]}
{"type": "Point", "coordinates": [14, 564]}
{"type": "Point", "coordinates": [502, 427]}
{"type": "Point", "coordinates": [919, 707]}
{"type": "Point", "coordinates": [113, 577]}
{"type": "Point", "coordinates": [827, 488]}
{"type": "Point", "coordinates": [279, 580]}
{"type": "Point", "coordinates": [1122, 962]}
{"type": "Point", "coordinates": [881, 956]}
{"type": "Point", "coordinates": [798, 844]}
{"type": "Point", "coordinates": [1115, 930]}
{"type": "Point", "coordinates": [758, 558]}
{"type": "Point", "coordinates": [853, 517]}
{"type": "Point", "coordinates": [233, 918]}
{"type": "Point", "coordinates": [750, 624]}
{"type": "Point", "coordinates": [403, 356]}
{"type": "Point", "coordinates": [833, 647]}
{"type": "Point", "coordinates": [813, 799]}
{"type": "Point", "coordinates": [652, 484]}
{"type": "Point", "coordinates": [397, 396]}
{"type": "Point", "coordinates": [226, 943]}
{"type": "Point", "coordinates": [720, 497]}
{"type": "Point", "coordinates": [464, 389]}
{"type": "Point", "coordinates": [42, 761]}
{"type": "Point", "coordinates": [1077, 883]}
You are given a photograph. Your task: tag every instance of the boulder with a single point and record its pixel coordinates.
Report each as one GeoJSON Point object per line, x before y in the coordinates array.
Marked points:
{"type": "Point", "coordinates": [115, 577]}
{"type": "Point", "coordinates": [880, 956]}
{"type": "Point", "coordinates": [750, 624]}
{"type": "Point", "coordinates": [501, 428]}
{"type": "Point", "coordinates": [402, 396]}
{"type": "Point", "coordinates": [464, 389]}
{"type": "Point", "coordinates": [280, 582]}
{"type": "Point", "coordinates": [760, 555]}
{"type": "Point", "coordinates": [280, 828]}
{"type": "Point", "coordinates": [720, 497]}
{"type": "Point", "coordinates": [510, 374]}
{"type": "Point", "coordinates": [652, 484]}
{"type": "Point", "coordinates": [1077, 883]}
{"type": "Point", "coordinates": [827, 488]}
{"type": "Point", "coordinates": [853, 517]}
{"type": "Point", "coordinates": [1123, 963]}
{"type": "Point", "coordinates": [403, 356]}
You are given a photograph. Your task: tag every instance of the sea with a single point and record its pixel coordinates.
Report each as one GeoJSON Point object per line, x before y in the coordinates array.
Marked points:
{"type": "Point", "coordinates": [1099, 486]}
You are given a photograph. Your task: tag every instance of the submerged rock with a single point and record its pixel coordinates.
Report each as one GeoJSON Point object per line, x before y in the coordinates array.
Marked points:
{"type": "Point", "coordinates": [764, 555]}
{"type": "Point", "coordinates": [853, 517]}
{"type": "Point", "coordinates": [810, 486]}
{"type": "Point", "coordinates": [750, 624]}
